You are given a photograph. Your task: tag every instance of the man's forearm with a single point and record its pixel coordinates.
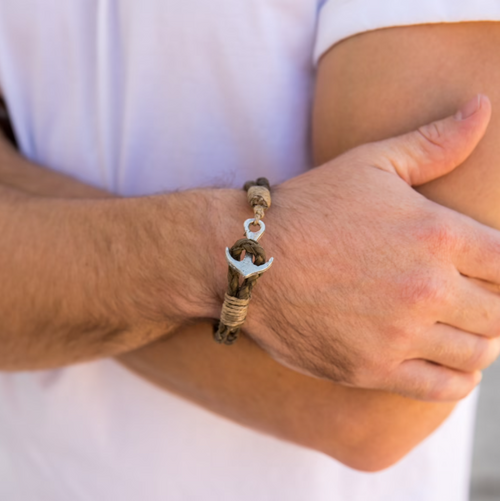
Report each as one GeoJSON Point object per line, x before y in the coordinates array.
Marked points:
{"type": "Point", "coordinates": [19, 173]}
{"type": "Point", "coordinates": [87, 278]}
{"type": "Point", "coordinates": [364, 429]}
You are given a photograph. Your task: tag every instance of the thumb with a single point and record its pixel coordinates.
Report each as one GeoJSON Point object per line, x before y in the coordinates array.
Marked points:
{"type": "Point", "coordinates": [437, 148]}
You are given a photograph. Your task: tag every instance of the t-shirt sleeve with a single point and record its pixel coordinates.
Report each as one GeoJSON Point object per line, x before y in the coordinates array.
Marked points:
{"type": "Point", "coordinates": [340, 19]}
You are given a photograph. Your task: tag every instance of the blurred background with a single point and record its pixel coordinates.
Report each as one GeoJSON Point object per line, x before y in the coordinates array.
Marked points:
{"type": "Point", "coordinates": [486, 464]}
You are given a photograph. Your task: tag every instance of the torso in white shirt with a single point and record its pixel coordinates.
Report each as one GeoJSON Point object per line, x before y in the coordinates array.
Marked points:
{"type": "Point", "coordinates": [141, 97]}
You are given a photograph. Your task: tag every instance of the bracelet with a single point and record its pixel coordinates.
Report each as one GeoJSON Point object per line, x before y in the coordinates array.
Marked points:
{"type": "Point", "coordinates": [243, 274]}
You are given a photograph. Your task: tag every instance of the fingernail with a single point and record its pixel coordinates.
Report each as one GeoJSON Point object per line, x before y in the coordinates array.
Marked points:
{"type": "Point", "coordinates": [469, 108]}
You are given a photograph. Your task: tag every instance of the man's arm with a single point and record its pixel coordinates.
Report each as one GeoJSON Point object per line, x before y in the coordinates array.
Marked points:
{"type": "Point", "coordinates": [87, 275]}
{"type": "Point", "coordinates": [365, 429]}
{"type": "Point", "coordinates": [334, 308]}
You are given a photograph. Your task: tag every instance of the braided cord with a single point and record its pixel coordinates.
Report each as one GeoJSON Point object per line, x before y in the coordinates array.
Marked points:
{"type": "Point", "coordinates": [239, 293]}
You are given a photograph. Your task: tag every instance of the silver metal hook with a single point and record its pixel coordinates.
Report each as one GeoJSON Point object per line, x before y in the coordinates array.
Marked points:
{"type": "Point", "coordinates": [254, 235]}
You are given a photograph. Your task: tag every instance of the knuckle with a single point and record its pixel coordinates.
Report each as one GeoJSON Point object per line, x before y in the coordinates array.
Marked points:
{"type": "Point", "coordinates": [439, 235]}
{"type": "Point", "coordinates": [485, 353]}
{"type": "Point", "coordinates": [450, 387]}
{"type": "Point", "coordinates": [447, 391]}
{"type": "Point", "coordinates": [432, 133]}
{"type": "Point", "coordinates": [437, 393]}
{"type": "Point", "coordinates": [490, 315]}
{"type": "Point", "coordinates": [432, 140]}
{"type": "Point", "coordinates": [485, 241]}
{"type": "Point", "coordinates": [428, 391]}
{"type": "Point", "coordinates": [481, 355]}
{"type": "Point", "coordinates": [422, 288]}
{"type": "Point", "coordinates": [403, 340]}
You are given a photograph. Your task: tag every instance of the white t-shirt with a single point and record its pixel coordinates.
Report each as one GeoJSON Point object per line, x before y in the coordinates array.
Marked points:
{"type": "Point", "coordinates": [140, 97]}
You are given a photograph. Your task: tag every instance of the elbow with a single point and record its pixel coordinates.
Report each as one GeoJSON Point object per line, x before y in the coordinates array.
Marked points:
{"type": "Point", "coordinates": [372, 444]}
{"type": "Point", "coordinates": [368, 460]}
{"type": "Point", "coordinates": [371, 453]}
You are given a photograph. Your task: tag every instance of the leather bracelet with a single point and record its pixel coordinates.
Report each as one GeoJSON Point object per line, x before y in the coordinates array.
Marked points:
{"type": "Point", "coordinates": [244, 273]}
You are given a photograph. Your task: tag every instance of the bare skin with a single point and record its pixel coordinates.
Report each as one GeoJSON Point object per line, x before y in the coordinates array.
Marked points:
{"type": "Point", "coordinates": [365, 429]}
{"type": "Point", "coordinates": [328, 319]}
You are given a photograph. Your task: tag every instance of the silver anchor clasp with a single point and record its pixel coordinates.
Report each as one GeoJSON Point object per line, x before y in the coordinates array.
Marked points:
{"type": "Point", "coordinates": [246, 267]}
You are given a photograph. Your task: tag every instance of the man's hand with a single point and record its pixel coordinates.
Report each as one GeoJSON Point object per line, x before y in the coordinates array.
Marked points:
{"type": "Point", "coordinates": [370, 285]}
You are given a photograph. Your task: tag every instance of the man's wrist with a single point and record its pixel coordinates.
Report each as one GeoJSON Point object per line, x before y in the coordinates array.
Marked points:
{"type": "Point", "coordinates": [231, 230]}
{"type": "Point", "coordinates": [229, 209]}
{"type": "Point", "coordinates": [176, 252]}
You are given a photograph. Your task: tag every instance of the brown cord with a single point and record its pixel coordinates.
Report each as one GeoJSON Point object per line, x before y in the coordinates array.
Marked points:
{"type": "Point", "coordinates": [234, 311]}
{"type": "Point", "coordinates": [237, 297]}
{"type": "Point", "coordinates": [259, 197]}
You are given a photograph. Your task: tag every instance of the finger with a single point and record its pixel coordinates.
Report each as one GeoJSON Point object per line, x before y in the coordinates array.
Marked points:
{"type": "Point", "coordinates": [437, 148]}
{"type": "Point", "coordinates": [477, 251]}
{"type": "Point", "coordinates": [456, 349]}
{"type": "Point", "coordinates": [424, 380]}
{"type": "Point", "coordinates": [473, 309]}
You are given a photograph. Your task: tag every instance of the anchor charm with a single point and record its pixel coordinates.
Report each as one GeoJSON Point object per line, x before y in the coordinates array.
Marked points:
{"type": "Point", "coordinates": [246, 267]}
